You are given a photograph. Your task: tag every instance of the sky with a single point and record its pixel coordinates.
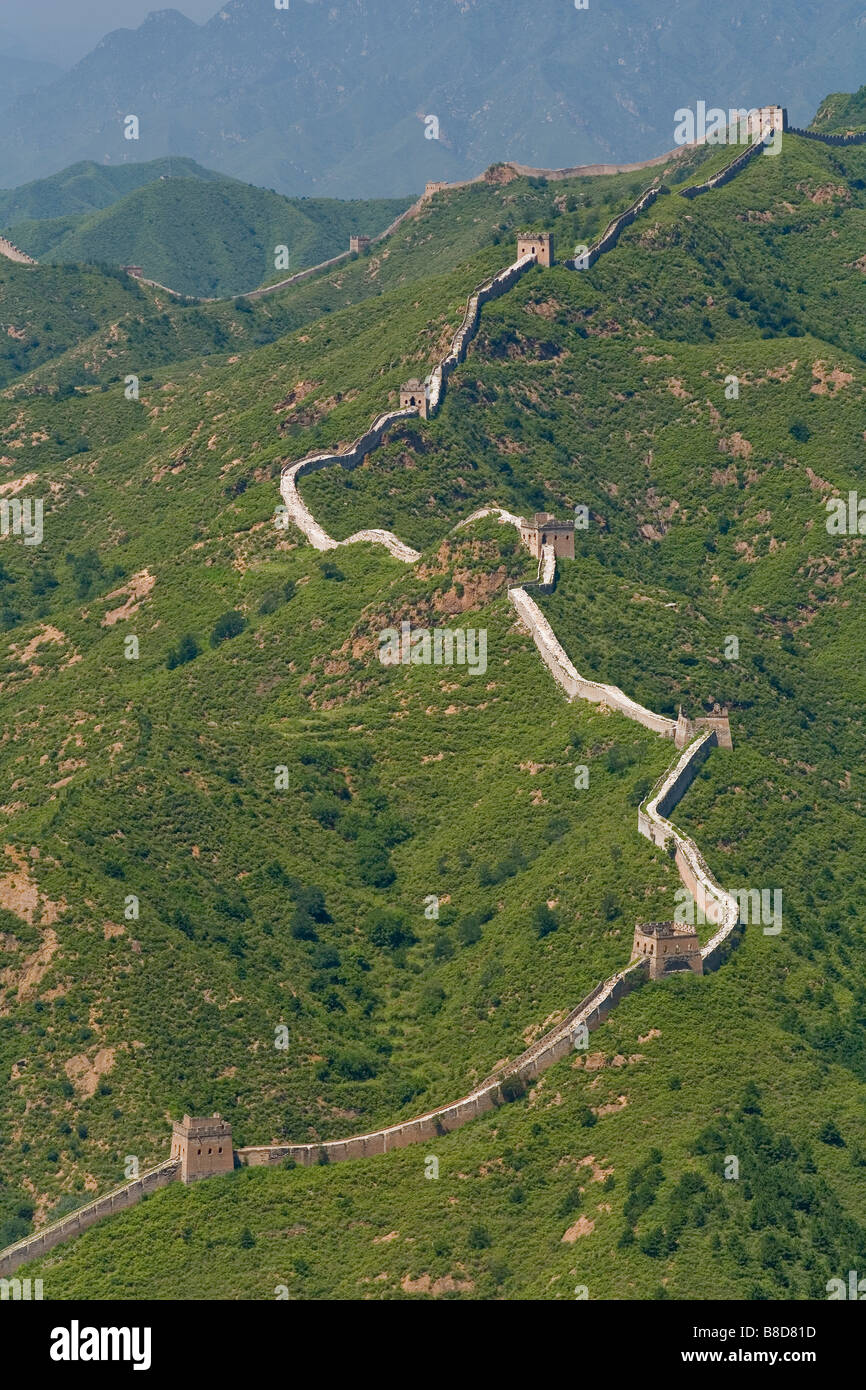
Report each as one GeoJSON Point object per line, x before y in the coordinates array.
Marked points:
{"type": "Point", "coordinates": [62, 31]}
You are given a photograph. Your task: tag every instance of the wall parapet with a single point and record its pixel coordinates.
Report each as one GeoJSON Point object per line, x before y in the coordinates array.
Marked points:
{"type": "Point", "coordinates": [14, 253]}
{"type": "Point", "coordinates": [729, 172]}
{"type": "Point", "coordinates": [356, 452]}
{"type": "Point", "coordinates": [612, 232]}
{"type": "Point", "coordinates": [569, 678]}
{"type": "Point", "coordinates": [717, 905]}
{"type": "Point", "coordinates": [555, 1044]}
{"type": "Point", "coordinates": [127, 1195]}
{"type": "Point", "coordinates": [857, 137]}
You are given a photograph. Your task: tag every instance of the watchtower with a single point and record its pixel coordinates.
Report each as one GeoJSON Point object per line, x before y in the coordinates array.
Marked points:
{"type": "Point", "coordinates": [413, 394]}
{"type": "Point", "coordinates": [204, 1147]}
{"type": "Point", "coordinates": [358, 243]}
{"type": "Point", "coordinates": [538, 244]}
{"type": "Point", "coordinates": [718, 720]}
{"type": "Point", "coordinates": [670, 946]}
{"type": "Point", "coordinates": [433, 186]}
{"type": "Point", "coordinates": [544, 529]}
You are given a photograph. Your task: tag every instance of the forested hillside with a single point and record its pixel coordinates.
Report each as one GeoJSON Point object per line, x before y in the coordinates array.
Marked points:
{"type": "Point", "coordinates": [188, 228]}
{"type": "Point", "coordinates": [282, 807]}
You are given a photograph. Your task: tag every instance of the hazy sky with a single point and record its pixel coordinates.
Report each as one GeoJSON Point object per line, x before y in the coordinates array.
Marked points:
{"type": "Point", "coordinates": [62, 31]}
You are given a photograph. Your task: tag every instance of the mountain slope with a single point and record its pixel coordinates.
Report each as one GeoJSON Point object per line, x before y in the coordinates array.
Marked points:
{"type": "Point", "coordinates": [210, 237]}
{"type": "Point", "coordinates": [19, 76]}
{"type": "Point", "coordinates": [302, 904]}
{"type": "Point", "coordinates": [87, 187]}
{"type": "Point", "coordinates": [841, 113]}
{"type": "Point", "coordinates": [295, 100]}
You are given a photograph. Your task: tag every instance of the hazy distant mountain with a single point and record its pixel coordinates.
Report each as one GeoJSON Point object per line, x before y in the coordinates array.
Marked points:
{"type": "Point", "coordinates": [325, 98]}
{"type": "Point", "coordinates": [21, 75]}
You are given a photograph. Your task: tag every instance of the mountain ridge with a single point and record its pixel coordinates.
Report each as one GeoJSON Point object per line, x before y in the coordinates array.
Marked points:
{"type": "Point", "coordinates": [301, 108]}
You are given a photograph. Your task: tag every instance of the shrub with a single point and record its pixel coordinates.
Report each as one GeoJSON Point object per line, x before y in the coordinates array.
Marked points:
{"type": "Point", "coordinates": [187, 650]}
{"type": "Point", "coordinates": [469, 930]}
{"type": "Point", "coordinates": [231, 624]}
{"type": "Point", "coordinates": [829, 1134]}
{"type": "Point", "coordinates": [331, 571]}
{"type": "Point", "coordinates": [544, 920]}
{"type": "Point", "coordinates": [387, 930]}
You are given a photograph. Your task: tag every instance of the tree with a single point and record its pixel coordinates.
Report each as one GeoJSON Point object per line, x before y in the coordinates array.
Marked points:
{"type": "Point", "coordinates": [829, 1134]}
{"type": "Point", "coordinates": [231, 624]}
{"type": "Point", "coordinates": [544, 920]}
{"type": "Point", "coordinates": [187, 650]}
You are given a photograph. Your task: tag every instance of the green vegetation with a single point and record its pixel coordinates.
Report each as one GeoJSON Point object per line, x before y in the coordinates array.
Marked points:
{"type": "Point", "coordinates": [842, 113]}
{"type": "Point", "coordinates": [283, 807]}
{"type": "Point", "coordinates": [188, 228]}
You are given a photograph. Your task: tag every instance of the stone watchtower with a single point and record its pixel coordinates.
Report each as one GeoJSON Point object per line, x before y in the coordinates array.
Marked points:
{"type": "Point", "coordinates": [718, 721]}
{"type": "Point", "coordinates": [359, 243]}
{"type": "Point", "coordinates": [544, 529]}
{"type": "Point", "coordinates": [204, 1147]}
{"type": "Point", "coordinates": [540, 246]}
{"type": "Point", "coordinates": [670, 946]}
{"type": "Point", "coordinates": [414, 394]}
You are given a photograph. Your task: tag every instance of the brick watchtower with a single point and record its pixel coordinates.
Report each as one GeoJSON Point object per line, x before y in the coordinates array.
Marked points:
{"type": "Point", "coordinates": [414, 394]}
{"type": "Point", "coordinates": [670, 946]}
{"type": "Point", "coordinates": [543, 529]}
{"type": "Point", "coordinates": [203, 1146]}
{"type": "Point", "coordinates": [540, 246]}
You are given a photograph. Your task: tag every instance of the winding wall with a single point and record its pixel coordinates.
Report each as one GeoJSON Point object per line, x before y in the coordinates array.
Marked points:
{"type": "Point", "coordinates": [652, 817]}
{"type": "Point", "coordinates": [569, 678]}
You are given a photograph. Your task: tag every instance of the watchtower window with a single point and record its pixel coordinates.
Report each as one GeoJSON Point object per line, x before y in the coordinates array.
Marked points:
{"type": "Point", "coordinates": [199, 1153]}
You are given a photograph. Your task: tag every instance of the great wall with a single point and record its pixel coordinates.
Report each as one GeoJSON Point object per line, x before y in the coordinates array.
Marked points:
{"type": "Point", "coordinates": [693, 739]}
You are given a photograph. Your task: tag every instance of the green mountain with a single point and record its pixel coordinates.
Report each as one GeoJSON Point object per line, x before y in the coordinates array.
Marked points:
{"type": "Point", "coordinates": [237, 825]}
{"type": "Point", "coordinates": [842, 113]}
{"type": "Point", "coordinates": [190, 229]}
{"type": "Point", "coordinates": [87, 187]}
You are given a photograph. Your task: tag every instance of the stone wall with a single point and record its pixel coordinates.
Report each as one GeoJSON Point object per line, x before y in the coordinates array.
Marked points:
{"type": "Point", "coordinates": [653, 822]}
{"type": "Point", "coordinates": [611, 234]}
{"type": "Point", "coordinates": [372, 438]}
{"type": "Point", "coordinates": [556, 1044]}
{"type": "Point", "coordinates": [12, 253]}
{"type": "Point", "coordinates": [725, 175]}
{"type": "Point", "coordinates": [857, 139]}
{"type": "Point", "coordinates": [77, 1221]}
{"type": "Point", "coordinates": [571, 681]}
